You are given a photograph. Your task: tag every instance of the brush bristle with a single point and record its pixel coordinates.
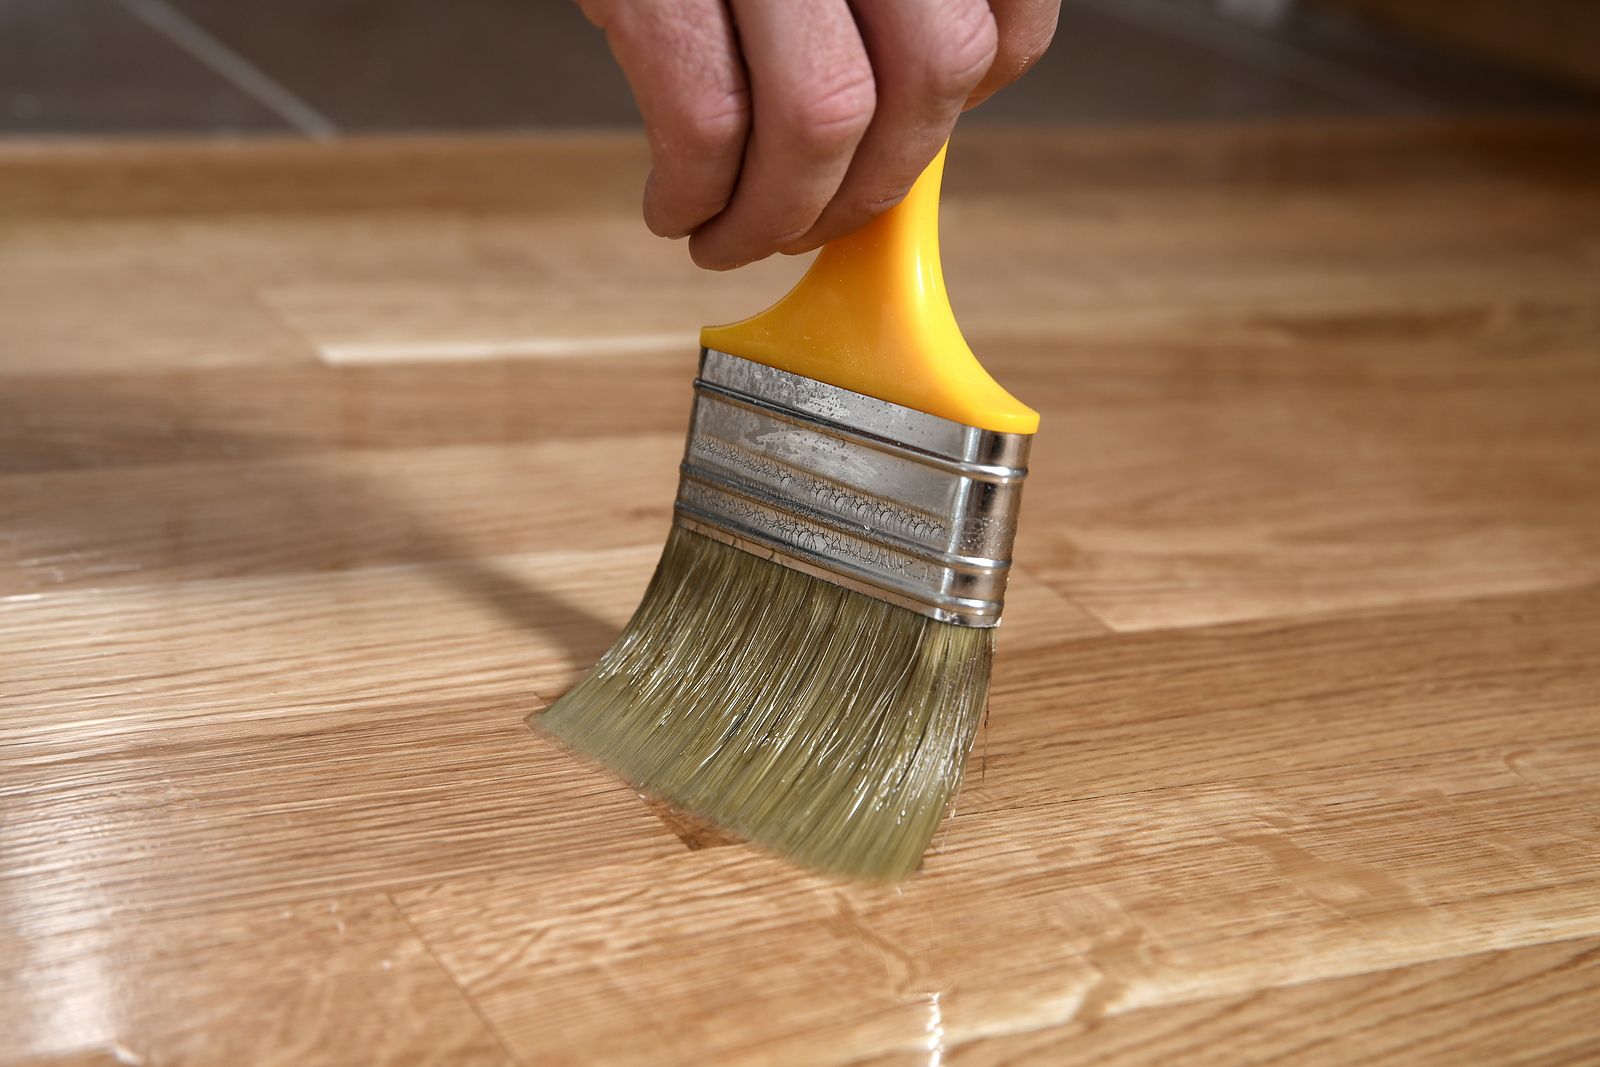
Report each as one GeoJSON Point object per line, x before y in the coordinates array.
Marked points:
{"type": "Point", "coordinates": [808, 718]}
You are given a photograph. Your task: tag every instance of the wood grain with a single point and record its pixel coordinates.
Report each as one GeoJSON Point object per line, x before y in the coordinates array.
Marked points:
{"type": "Point", "coordinates": [181, 521]}
{"type": "Point", "coordinates": [1229, 860]}
{"type": "Point", "coordinates": [73, 421]}
{"type": "Point", "coordinates": [322, 467]}
{"type": "Point", "coordinates": [338, 980]}
{"type": "Point", "coordinates": [1446, 1012]}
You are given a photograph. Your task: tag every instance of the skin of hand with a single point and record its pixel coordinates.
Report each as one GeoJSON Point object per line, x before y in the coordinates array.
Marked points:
{"type": "Point", "coordinates": [778, 125]}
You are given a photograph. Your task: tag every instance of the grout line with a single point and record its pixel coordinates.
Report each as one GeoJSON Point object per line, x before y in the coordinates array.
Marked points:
{"type": "Point", "coordinates": [244, 75]}
{"type": "Point", "coordinates": [1266, 53]}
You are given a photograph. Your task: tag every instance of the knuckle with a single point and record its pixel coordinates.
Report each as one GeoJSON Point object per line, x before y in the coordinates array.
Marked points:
{"type": "Point", "coordinates": [712, 123]}
{"type": "Point", "coordinates": [834, 115]}
{"type": "Point", "coordinates": [963, 52]}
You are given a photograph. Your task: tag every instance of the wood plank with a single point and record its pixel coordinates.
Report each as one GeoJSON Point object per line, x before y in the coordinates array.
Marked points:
{"type": "Point", "coordinates": [335, 732]}
{"type": "Point", "coordinates": [562, 175]}
{"type": "Point", "coordinates": [154, 303]}
{"type": "Point", "coordinates": [1295, 690]}
{"type": "Point", "coordinates": [153, 417]}
{"type": "Point", "coordinates": [211, 268]}
{"type": "Point", "coordinates": [99, 528]}
{"type": "Point", "coordinates": [1239, 478]}
{"type": "Point", "coordinates": [1226, 702]}
{"type": "Point", "coordinates": [237, 294]}
{"type": "Point", "coordinates": [338, 980]}
{"type": "Point", "coordinates": [1198, 353]}
{"type": "Point", "coordinates": [234, 697]}
{"type": "Point", "coordinates": [553, 174]}
{"type": "Point", "coordinates": [215, 753]}
{"type": "Point", "coordinates": [113, 1056]}
{"type": "Point", "coordinates": [1524, 1006]}
{"type": "Point", "coordinates": [1173, 485]}
{"type": "Point", "coordinates": [470, 225]}
{"type": "Point", "coordinates": [561, 289]}
{"type": "Point", "coordinates": [1150, 871]}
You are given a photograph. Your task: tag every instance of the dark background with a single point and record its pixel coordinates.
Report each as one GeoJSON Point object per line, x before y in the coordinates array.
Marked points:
{"type": "Point", "coordinates": [331, 67]}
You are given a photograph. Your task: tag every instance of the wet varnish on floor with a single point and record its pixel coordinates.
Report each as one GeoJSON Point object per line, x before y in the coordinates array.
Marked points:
{"type": "Point", "coordinates": [321, 467]}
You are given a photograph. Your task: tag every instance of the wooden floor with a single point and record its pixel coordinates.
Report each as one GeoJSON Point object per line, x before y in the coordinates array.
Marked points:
{"type": "Point", "coordinates": [321, 467]}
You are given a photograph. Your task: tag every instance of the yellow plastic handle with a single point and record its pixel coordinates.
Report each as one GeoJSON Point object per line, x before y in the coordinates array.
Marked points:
{"type": "Point", "coordinates": [872, 316]}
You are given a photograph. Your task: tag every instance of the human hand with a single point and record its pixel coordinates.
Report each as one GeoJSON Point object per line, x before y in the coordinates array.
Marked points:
{"type": "Point", "coordinates": [777, 125]}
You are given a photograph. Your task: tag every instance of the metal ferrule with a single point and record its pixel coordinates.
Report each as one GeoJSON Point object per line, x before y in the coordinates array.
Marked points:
{"type": "Point", "coordinates": [895, 503]}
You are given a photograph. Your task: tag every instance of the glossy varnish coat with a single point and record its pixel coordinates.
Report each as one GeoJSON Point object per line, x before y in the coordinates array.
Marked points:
{"type": "Point", "coordinates": [321, 467]}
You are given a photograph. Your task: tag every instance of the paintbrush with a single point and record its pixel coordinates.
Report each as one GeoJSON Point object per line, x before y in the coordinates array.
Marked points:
{"type": "Point", "coordinates": [811, 659]}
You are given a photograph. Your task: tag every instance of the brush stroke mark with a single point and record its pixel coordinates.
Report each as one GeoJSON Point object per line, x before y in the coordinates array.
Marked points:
{"type": "Point", "coordinates": [1354, 890]}
{"type": "Point", "coordinates": [901, 967]}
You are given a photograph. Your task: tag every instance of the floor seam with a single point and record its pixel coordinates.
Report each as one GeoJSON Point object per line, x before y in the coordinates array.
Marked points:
{"type": "Point", "coordinates": [472, 1002]}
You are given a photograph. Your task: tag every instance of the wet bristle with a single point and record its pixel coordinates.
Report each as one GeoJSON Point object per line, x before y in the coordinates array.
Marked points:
{"type": "Point", "coordinates": [810, 719]}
